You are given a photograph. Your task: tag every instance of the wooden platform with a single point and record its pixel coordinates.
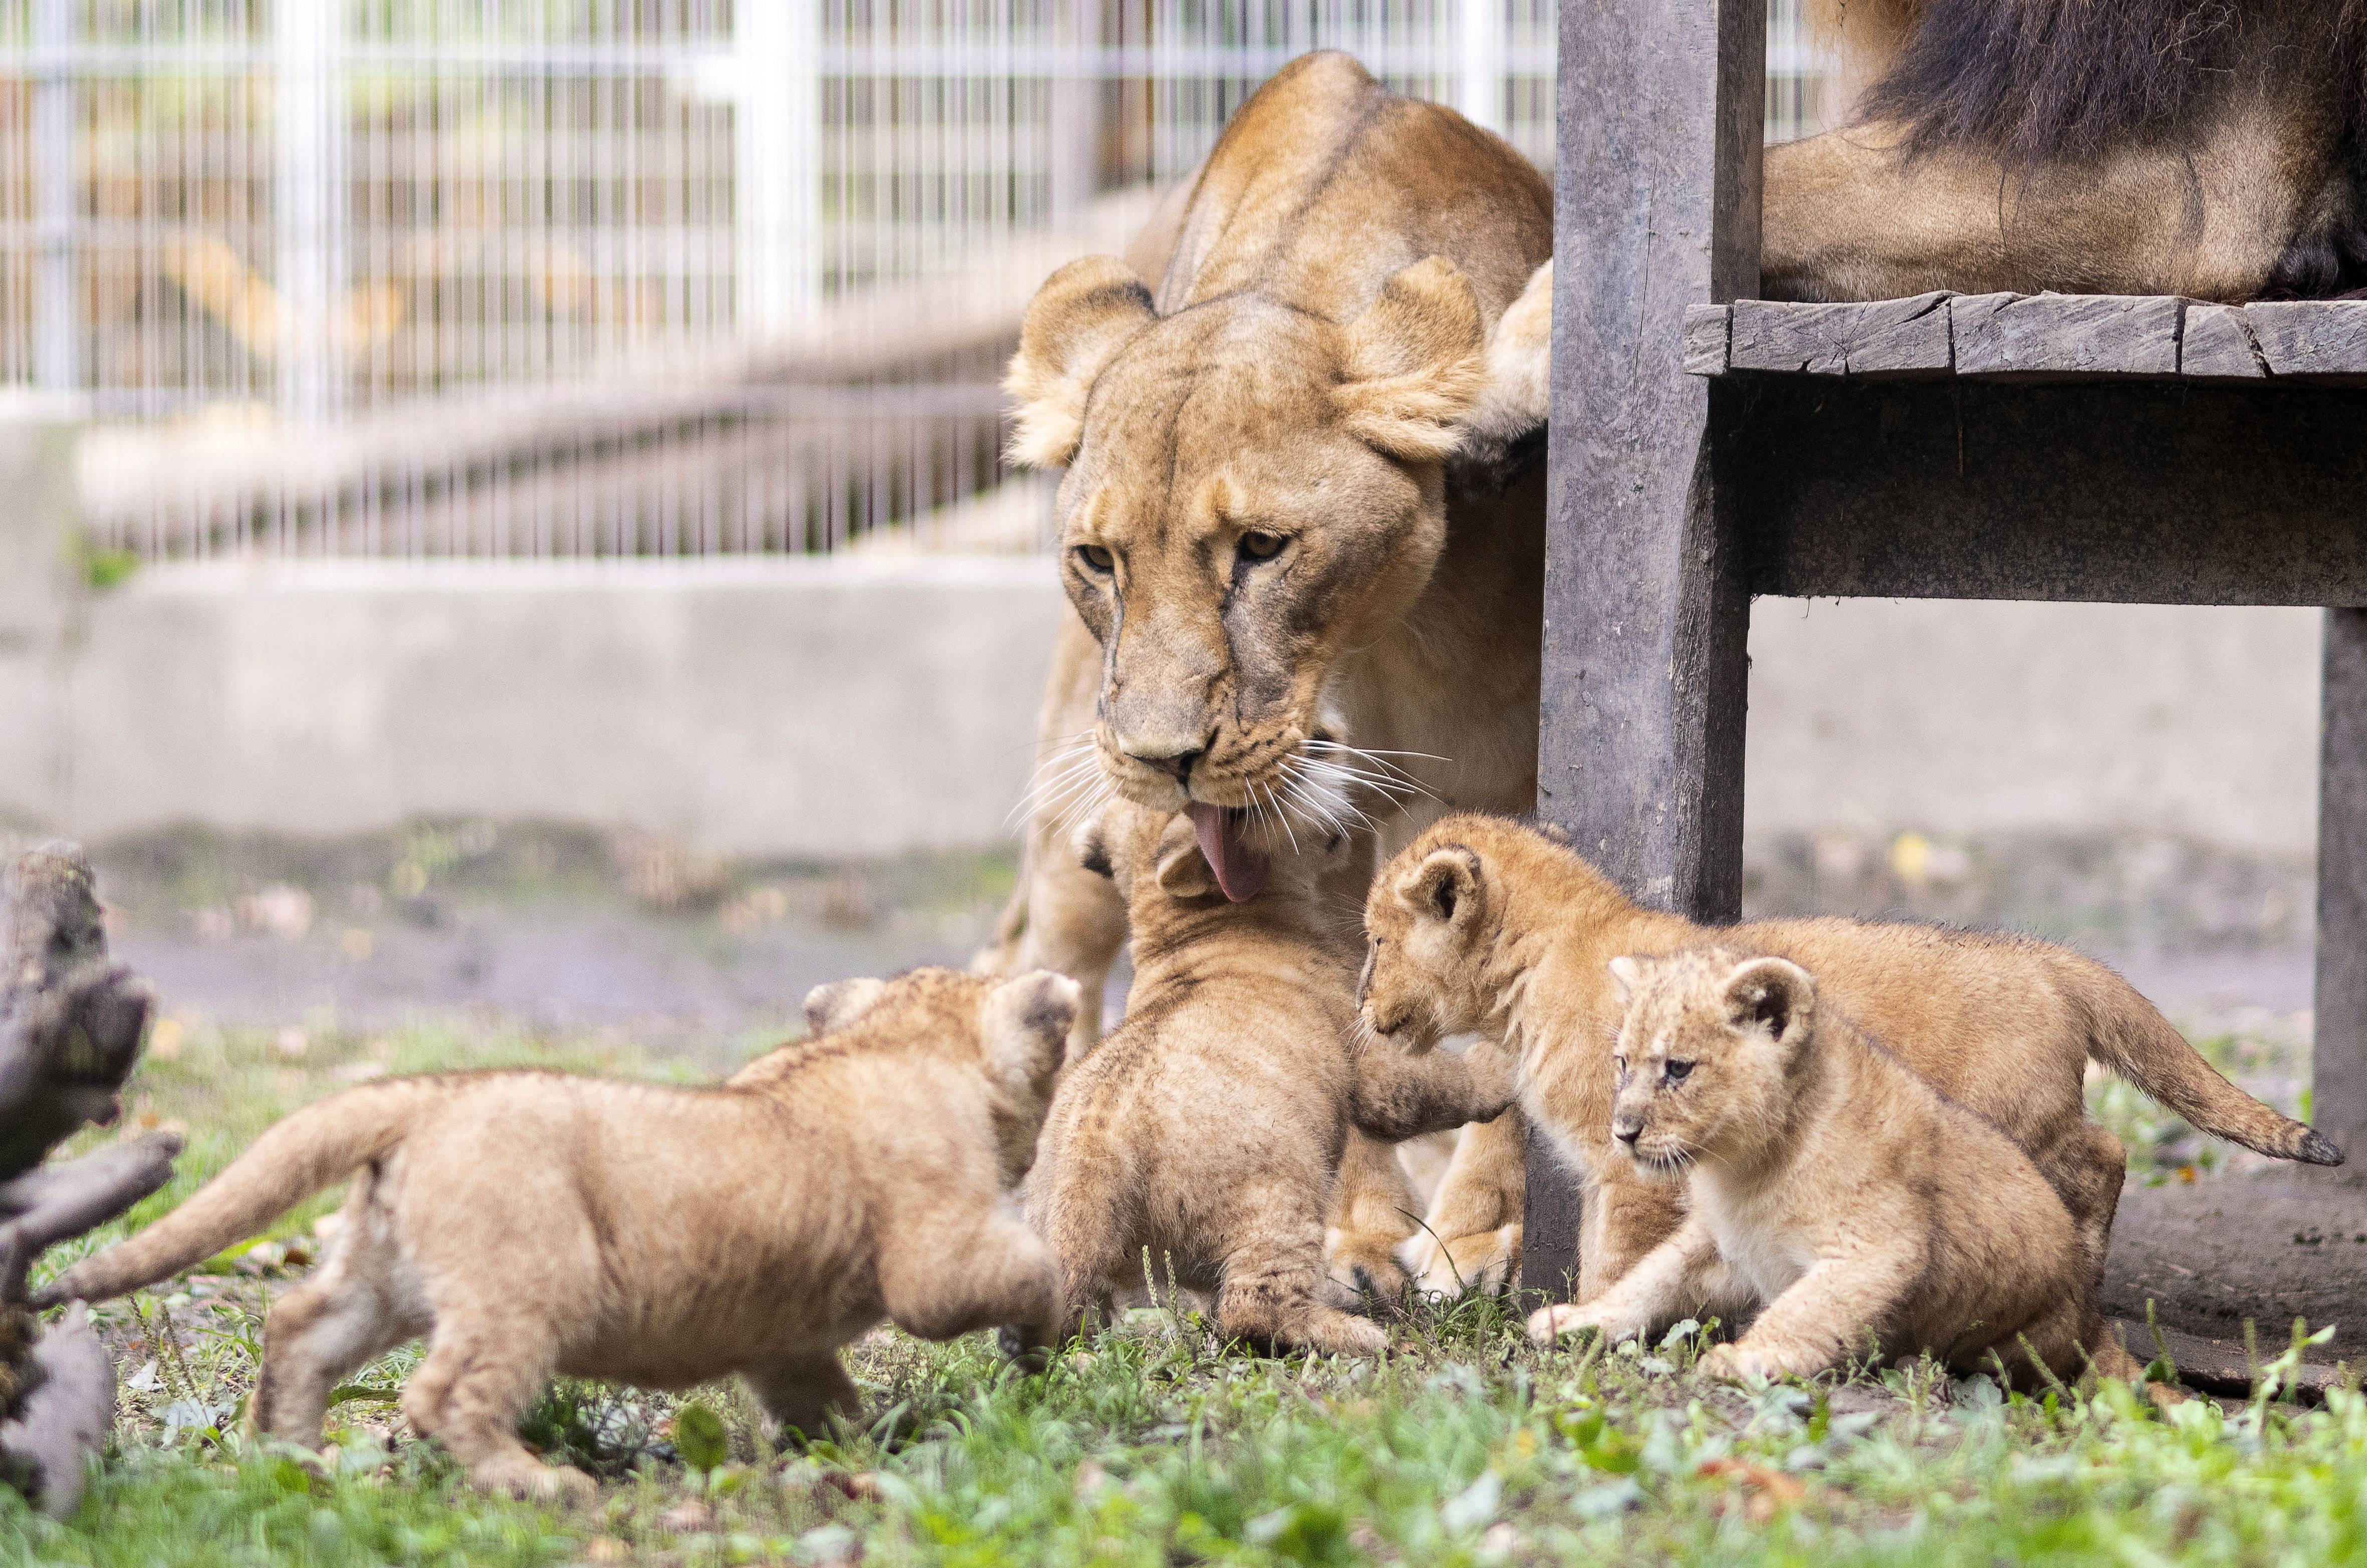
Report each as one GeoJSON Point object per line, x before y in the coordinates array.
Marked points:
{"type": "Point", "coordinates": [2023, 337]}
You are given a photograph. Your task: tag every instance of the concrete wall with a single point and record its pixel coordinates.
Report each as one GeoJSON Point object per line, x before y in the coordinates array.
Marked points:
{"type": "Point", "coordinates": [1988, 717]}
{"type": "Point", "coordinates": [795, 707]}
{"type": "Point", "coordinates": [867, 706]}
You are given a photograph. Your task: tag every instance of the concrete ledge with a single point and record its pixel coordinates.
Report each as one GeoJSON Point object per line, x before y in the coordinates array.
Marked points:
{"type": "Point", "coordinates": [785, 708]}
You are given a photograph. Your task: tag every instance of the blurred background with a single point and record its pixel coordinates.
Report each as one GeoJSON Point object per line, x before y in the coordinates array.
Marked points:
{"type": "Point", "coordinates": [505, 515]}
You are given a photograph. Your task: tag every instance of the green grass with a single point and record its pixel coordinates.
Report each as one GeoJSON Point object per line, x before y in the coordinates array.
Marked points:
{"type": "Point", "coordinates": [1156, 1445]}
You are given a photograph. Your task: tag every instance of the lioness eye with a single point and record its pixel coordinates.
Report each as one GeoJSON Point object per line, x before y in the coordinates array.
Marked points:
{"type": "Point", "coordinates": [1678, 1071]}
{"type": "Point", "coordinates": [1096, 557]}
{"type": "Point", "coordinates": [1263, 545]}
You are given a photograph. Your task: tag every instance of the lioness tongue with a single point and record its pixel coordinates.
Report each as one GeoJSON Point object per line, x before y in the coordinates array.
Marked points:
{"type": "Point", "coordinates": [1241, 870]}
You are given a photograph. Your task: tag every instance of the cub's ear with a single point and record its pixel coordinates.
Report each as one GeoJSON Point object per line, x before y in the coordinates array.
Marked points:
{"type": "Point", "coordinates": [1077, 322]}
{"type": "Point", "coordinates": [1518, 392]}
{"type": "Point", "coordinates": [1024, 1026]}
{"type": "Point", "coordinates": [1773, 994]}
{"type": "Point", "coordinates": [1412, 364]}
{"type": "Point", "coordinates": [1184, 871]}
{"type": "Point", "coordinates": [1626, 974]}
{"type": "Point", "coordinates": [840, 1003]}
{"type": "Point", "coordinates": [1448, 886]}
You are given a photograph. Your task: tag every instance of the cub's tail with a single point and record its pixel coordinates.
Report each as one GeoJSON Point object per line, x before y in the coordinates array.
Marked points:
{"type": "Point", "coordinates": [294, 1159]}
{"type": "Point", "coordinates": [2128, 1034]}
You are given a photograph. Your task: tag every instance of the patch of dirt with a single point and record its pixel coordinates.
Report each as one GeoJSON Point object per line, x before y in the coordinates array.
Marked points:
{"type": "Point", "coordinates": [2269, 1244]}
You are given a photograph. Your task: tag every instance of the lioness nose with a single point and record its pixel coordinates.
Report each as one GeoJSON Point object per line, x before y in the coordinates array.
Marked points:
{"type": "Point", "coordinates": [1628, 1132]}
{"type": "Point", "coordinates": [1176, 766]}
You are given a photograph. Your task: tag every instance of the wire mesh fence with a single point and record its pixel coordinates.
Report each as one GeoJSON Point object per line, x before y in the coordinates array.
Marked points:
{"type": "Point", "coordinates": [596, 277]}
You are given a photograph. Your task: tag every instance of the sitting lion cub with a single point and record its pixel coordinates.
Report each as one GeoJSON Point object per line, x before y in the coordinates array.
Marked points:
{"type": "Point", "coordinates": [1209, 1126]}
{"type": "Point", "coordinates": [1829, 1182]}
{"type": "Point", "coordinates": [528, 1223]}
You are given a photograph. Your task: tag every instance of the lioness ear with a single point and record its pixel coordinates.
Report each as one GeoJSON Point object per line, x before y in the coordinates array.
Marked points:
{"type": "Point", "coordinates": [1446, 886]}
{"type": "Point", "coordinates": [1078, 321]}
{"type": "Point", "coordinates": [1184, 871]}
{"type": "Point", "coordinates": [1626, 974]}
{"type": "Point", "coordinates": [1412, 364]}
{"type": "Point", "coordinates": [1026, 1028]}
{"type": "Point", "coordinates": [840, 1003]}
{"type": "Point", "coordinates": [1773, 994]}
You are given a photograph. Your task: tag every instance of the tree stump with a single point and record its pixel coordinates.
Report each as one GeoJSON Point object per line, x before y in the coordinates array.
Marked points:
{"type": "Point", "coordinates": [71, 1026]}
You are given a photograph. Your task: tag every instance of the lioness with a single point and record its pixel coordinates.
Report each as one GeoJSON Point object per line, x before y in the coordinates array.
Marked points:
{"type": "Point", "coordinates": [1296, 528]}
{"type": "Point", "coordinates": [1207, 1127]}
{"type": "Point", "coordinates": [1831, 1183]}
{"type": "Point", "coordinates": [529, 1222]}
{"type": "Point", "coordinates": [2211, 148]}
{"type": "Point", "coordinates": [1483, 924]}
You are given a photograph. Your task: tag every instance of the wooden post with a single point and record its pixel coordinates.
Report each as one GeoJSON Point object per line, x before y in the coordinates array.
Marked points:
{"type": "Point", "coordinates": [1646, 609]}
{"type": "Point", "coordinates": [2339, 1058]}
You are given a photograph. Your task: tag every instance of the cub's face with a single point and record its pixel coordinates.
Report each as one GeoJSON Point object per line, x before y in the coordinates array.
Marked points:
{"type": "Point", "coordinates": [1703, 1059]}
{"type": "Point", "coordinates": [1252, 494]}
{"type": "Point", "coordinates": [1427, 916]}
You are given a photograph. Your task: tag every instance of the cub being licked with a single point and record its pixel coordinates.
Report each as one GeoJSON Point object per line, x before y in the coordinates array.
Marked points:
{"type": "Point", "coordinates": [1831, 1183]}
{"type": "Point", "coordinates": [1485, 925]}
{"type": "Point", "coordinates": [1208, 1127]}
{"type": "Point", "coordinates": [529, 1222]}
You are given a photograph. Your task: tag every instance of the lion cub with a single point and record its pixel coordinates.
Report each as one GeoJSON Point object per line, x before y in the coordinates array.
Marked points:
{"type": "Point", "coordinates": [1485, 925]}
{"type": "Point", "coordinates": [1830, 1182]}
{"type": "Point", "coordinates": [1209, 1126]}
{"type": "Point", "coordinates": [527, 1223]}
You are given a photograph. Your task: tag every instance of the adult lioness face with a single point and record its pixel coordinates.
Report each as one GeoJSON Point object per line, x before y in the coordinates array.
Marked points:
{"type": "Point", "coordinates": [1253, 492]}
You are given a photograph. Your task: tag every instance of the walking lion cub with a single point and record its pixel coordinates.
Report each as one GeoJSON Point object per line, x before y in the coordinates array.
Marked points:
{"type": "Point", "coordinates": [528, 1223]}
{"type": "Point", "coordinates": [1829, 1183]}
{"type": "Point", "coordinates": [1209, 1126]}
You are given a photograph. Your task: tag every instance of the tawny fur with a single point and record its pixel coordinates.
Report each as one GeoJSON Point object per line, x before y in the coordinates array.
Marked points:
{"type": "Point", "coordinates": [1207, 1127]}
{"type": "Point", "coordinates": [529, 1224]}
{"type": "Point", "coordinates": [1340, 337]}
{"type": "Point", "coordinates": [1485, 925]}
{"type": "Point", "coordinates": [2209, 148]}
{"type": "Point", "coordinates": [1830, 1187]}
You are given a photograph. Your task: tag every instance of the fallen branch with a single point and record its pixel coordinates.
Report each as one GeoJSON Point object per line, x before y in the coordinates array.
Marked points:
{"type": "Point", "coordinates": [62, 1424]}
{"type": "Point", "coordinates": [71, 1024]}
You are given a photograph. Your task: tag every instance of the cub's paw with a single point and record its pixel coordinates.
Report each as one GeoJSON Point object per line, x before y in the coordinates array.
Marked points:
{"type": "Point", "coordinates": [1362, 1265]}
{"type": "Point", "coordinates": [1548, 1324]}
{"type": "Point", "coordinates": [1740, 1363]}
{"type": "Point", "coordinates": [1021, 1350]}
{"type": "Point", "coordinates": [1484, 1260]}
{"type": "Point", "coordinates": [529, 1481]}
{"type": "Point", "coordinates": [1339, 1334]}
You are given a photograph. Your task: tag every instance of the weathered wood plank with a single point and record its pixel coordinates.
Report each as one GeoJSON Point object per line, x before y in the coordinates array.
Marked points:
{"type": "Point", "coordinates": [2339, 1059]}
{"type": "Point", "coordinates": [1882, 337]}
{"type": "Point", "coordinates": [1640, 751]}
{"type": "Point", "coordinates": [2176, 493]}
{"type": "Point", "coordinates": [2065, 334]}
{"type": "Point", "coordinates": [2311, 337]}
{"type": "Point", "coordinates": [2217, 344]}
{"type": "Point", "coordinates": [1707, 331]}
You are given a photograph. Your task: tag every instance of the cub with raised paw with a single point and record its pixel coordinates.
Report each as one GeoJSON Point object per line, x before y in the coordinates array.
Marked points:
{"type": "Point", "coordinates": [1209, 1126]}
{"type": "Point", "coordinates": [527, 1223]}
{"type": "Point", "coordinates": [1828, 1182]}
